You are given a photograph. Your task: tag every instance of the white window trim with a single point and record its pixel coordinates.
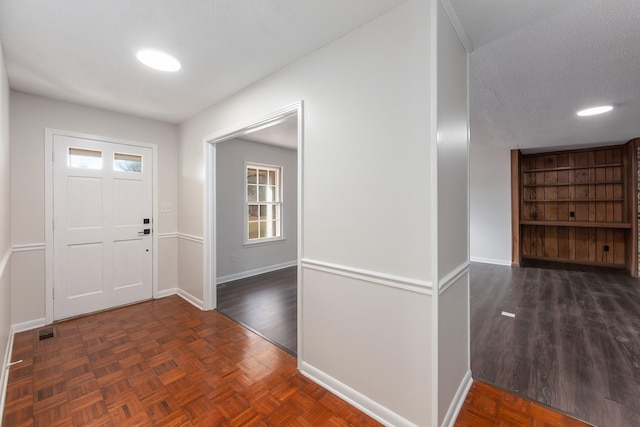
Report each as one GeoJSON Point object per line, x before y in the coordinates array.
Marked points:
{"type": "Point", "coordinates": [265, 240]}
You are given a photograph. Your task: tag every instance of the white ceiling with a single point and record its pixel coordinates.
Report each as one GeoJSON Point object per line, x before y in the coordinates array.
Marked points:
{"type": "Point", "coordinates": [283, 134]}
{"type": "Point", "coordinates": [534, 63]}
{"type": "Point", "coordinates": [83, 51]}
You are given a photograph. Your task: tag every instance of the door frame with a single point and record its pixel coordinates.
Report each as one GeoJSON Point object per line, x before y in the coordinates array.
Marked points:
{"type": "Point", "coordinates": [50, 133]}
{"type": "Point", "coordinates": [209, 206]}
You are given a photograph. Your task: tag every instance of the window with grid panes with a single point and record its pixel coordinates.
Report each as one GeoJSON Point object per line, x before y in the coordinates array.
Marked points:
{"type": "Point", "coordinates": [263, 203]}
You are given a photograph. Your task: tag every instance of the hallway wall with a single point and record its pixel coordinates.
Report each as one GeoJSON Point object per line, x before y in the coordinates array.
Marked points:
{"type": "Point", "coordinates": [5, 226]}
{"type": "Point", "coordinates": [490, 198]}
{"type": "Point", "coordinates": [30, 115]}
{"type": "Point", "coordinates": [366, 210]}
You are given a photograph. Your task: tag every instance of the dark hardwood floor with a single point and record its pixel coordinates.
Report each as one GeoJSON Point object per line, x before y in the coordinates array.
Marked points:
{"type": "Point", "coordinates": [574, 344]}
{"type": "Point", "coordinates": [266, 304]}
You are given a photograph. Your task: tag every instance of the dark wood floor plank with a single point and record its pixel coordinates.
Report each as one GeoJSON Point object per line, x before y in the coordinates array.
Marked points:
{"type": "Point", "coordinates": [266, 303]}
{"type": "Point", "coordinates": [574, 344]}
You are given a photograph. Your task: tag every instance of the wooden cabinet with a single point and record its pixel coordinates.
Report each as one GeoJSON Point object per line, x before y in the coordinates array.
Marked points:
{"type": "Point", "coordinates": [576, 206]}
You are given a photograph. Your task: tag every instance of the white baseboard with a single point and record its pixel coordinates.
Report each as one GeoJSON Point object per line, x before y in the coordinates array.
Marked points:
{"type": "Point", "coordinates": [355, 398]}
{"type": "Point", "coordinates": [458, 400]}
{"type": "Point", "coordinates": [190, 299]}
{"type": "Point", "coordinates": [27, 326]}
{"type": "Point", "coordinates": [255, 272]}
{"type": "Point", "coordinates": [505, 262]}
{"type": "Point", "coordinates": [167, 292]}
{"type": "Point", "coordinates": [4, 375]}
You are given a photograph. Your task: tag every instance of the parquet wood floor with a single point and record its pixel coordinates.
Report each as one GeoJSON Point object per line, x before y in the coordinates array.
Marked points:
{"type": "Point", "coordinates": [487, 406]}
{"type": "Point", "coordinates": [166, 363]}
{"type": "Point", "coordinates": [163, 363]}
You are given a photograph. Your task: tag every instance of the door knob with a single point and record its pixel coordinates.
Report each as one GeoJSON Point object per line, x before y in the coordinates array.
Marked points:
{"type": "Point", "coordinates": [145, 231]}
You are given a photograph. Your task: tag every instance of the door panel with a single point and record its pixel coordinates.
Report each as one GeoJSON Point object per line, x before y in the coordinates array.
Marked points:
{"type": "Point", "coordinates": [102, 195]}
{"type": "Point", "coordinates": [127, 263]}
{"type": "Point", "coordinates": [84, 269]}
{"type": "Point", "coordinates": [127, 202]}
{"type": "Point", "coordinates": [85, 195]}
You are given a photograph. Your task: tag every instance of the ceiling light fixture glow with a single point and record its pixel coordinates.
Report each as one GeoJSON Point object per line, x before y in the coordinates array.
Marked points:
{"type": "Point", "coordinates": [595, 110]}
{"type": "Point", "coordinates": [158, 60]}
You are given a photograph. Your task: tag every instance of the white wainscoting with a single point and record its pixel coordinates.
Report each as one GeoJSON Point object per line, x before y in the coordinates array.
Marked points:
{"type": "Point", "coordinates": [328, 355]}
{"type": "Point", "coordinates": [27, 326]}
{"type": "Point", "coordinates": [167, 292]}
{"type": "Point", "coordinates": [196, 302]}
{"type": "Point", "coordinates": [189, 237]}
{"type": "Point", "coordinates": [458, 400]}
{"type": "Point", "coordinates": [167, 236]}
{"type": "Point", "coordinates": [4, 374]}
{"type": "Point", "coordinates": [408, 284]}
{"type": "Point", "coordinates": [360, 401]}
{"type": "Point", "coordinates": [453, 276]}
{"type": "Point", "coordinates": [29, 247]}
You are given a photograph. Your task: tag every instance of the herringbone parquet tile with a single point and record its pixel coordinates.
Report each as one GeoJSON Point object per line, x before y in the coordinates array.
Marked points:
{"type": "Point", "coordinates": [163, 363]}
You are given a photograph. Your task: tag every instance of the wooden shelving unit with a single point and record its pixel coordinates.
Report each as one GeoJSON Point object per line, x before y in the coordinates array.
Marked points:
{"type": "Point", "coordinates": [576, 206]}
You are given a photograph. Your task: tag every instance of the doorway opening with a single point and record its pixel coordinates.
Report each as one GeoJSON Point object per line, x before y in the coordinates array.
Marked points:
{"type": "Point", "coordinates": [253, 225]}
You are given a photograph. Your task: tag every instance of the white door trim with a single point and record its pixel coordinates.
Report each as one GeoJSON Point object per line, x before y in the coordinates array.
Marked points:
{"type": "Point", "coordinates": [48, 208]}
{"type": "Point", "coordinates": [209, 226]}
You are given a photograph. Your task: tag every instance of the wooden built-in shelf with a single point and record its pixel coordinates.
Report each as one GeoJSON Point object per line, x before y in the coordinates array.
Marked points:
{"type": "Point", "coordinates": [592, 224]}
{"type": "Point", "coordinates": [595, 263]}
{"type": "Point", "coordinates": [615, 199]}
{"type": "Point", "coordinates": [565, 184]}
{"type": "Point", "coordinates": [576, 206]}
{"type": "Point", "coordinates": [570, 168]}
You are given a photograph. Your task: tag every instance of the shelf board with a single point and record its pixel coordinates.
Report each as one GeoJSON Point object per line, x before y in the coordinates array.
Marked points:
{"type": "Point", "coordinates": [572, 183]}
{"type": "Point", "coordinates": [573, 261]}
{"type": "Point", "coordinates": [575, 200]}
{"type": "Point", "coordinates": [570, 168]}
{"type": "Point", "coordinates": [588, 224]}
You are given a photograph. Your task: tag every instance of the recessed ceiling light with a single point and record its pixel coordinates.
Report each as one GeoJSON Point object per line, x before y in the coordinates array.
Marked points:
{"type": "Point", "coordinates": [158, 60]}
{"type": "Point", "coordinates": [595, 110]}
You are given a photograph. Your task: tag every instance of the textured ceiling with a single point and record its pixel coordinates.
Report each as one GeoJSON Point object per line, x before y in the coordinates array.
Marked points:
{"type": "Point", "coordinates": [83, 50]}
{"type": "Point", "coordinates": [533, 64]}
{"type": "Point", "coordinates": [487, 20]}
{"type": "Point", "coordinates": [526, 86]}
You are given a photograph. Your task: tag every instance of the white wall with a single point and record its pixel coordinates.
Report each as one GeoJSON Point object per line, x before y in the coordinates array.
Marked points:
{"type": "Point", "coordinates": [231, 157]}
{"type": "Point", "coordinates": [30, 115]}
{"type": "Point", "coordinates": [491, 206]}
{"type": "Point", "coordinates": [452, 301]}
{"type": "Point", "coordinates": [5, 228]}
{"type": "Point", "coordinates": [366, 208]}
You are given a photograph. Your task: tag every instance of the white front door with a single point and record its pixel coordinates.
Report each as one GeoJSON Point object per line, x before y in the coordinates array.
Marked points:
{"type": "Point", "coordinates": [102, 205]}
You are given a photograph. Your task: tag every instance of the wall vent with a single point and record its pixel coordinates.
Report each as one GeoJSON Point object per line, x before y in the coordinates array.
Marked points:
{"type": "Point", "coordinates": [46, 333]}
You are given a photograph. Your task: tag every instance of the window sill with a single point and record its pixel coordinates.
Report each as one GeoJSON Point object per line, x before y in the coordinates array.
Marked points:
{"type": "Point", "coordinates": [264, 242]}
